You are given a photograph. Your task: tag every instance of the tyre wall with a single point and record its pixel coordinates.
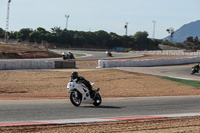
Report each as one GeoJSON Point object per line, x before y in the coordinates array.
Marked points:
{"type": "Point", "coordinates": [146, 62]}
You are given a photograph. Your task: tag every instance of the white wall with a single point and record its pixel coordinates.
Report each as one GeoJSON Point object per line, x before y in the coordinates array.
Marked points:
{"type": "Point", "coordinates": [26, 64]}
{"type": "Point", "coordinates": [166, 52]}
{"type": "Point", "coordinates": [146, 62]}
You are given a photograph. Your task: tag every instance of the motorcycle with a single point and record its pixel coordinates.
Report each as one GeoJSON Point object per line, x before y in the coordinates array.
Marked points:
{"type": "Point", "coordinates": [194, 70]}
{"type": "Point", "coordinates": [108, 53]}
{"type": "Point", "coordinates": [80, 94]}
{"type": "Point", "coordinates": [67, 56]}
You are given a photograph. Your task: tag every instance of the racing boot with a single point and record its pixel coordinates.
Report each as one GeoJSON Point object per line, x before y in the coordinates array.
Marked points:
{"type": "Point", "coordinates": [93, 93]}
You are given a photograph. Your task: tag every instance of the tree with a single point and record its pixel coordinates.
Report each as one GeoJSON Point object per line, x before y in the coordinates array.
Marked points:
{"type": "Point", "coordinates": [2, 33]}
{"type": "Point", "coordinates": [196, 39]}
{"type": "Point", "coordinates": [98, 39]}
{"type": "Point", "coordinates": [141, 36]}
{"type": "Point", "coordinates": [50, 38]}
{"type": "Point", "coordinates": [115, 40]}
{"type": "Point", "coordinates": [56, 30]}
{"type": "Point", "coordinates": [23, 34]}
{"type": "Point", "coordinates": [13, 35]}
{"type": "Point", "coordinates": [103, 38]}
{"type": "Point", "coordinates": [190, 39]}
{"type": "Point", "coordinates": [34, 36]}
{"type": "Point", "coordinates": [141, 40]}
{"type": "Point", "coordinates": [41, 30]}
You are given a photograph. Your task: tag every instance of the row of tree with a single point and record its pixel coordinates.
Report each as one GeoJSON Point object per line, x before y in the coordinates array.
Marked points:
{"type": "Point", "coordinates": [81, 39]}
{"type": "Point", "coordinates": [191, 43]}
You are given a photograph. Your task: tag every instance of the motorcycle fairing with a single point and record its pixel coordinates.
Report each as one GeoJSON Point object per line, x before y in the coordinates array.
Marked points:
{"type": "Point", "coordinates": [71, 86]}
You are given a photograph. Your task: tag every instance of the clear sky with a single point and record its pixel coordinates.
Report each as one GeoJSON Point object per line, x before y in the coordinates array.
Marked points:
{"type": "Point", "coordinates": [94, 15]}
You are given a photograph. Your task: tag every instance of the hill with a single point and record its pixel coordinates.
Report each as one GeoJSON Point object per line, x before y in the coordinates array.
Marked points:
{"type": "Point", "coordinates": [187, 30]}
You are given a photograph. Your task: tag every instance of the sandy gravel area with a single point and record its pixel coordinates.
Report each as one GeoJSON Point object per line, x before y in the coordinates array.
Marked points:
{"type": "Point", "coordinates": [51, 84]}
{"type": "Point", "coordinates": [166, 125]}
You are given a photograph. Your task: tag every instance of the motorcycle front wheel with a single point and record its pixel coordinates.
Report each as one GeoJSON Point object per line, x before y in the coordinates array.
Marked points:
{"type": "Point", "coordinates": [192, 72]}
{"type": "Point", "coordinates": [75, 100]}
{"type": "Point", "coordinates": [97, 100]}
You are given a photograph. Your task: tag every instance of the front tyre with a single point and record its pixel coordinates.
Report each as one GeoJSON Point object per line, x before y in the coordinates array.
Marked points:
{"type": "Point", "coordinates": [75, 100]}
{"type": "Point", "coordinates": [193, 71]}
{"type": "Point", "coordinates": [97, 100]}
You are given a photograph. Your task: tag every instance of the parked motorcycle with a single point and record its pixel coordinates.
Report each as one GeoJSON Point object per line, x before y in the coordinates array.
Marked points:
{"type": "Point", "coordinates": [79, 93]}
{"type": "Point", "coordinates": [67, 56]}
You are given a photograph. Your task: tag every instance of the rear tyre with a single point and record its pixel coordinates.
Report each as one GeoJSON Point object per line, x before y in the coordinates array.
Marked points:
{"type": "Point", "coordinates": [97, 100]}
{"type": "Point", "coordinates": [76, 101]}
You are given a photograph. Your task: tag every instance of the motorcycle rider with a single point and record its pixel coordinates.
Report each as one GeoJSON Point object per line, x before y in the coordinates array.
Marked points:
{"type": "Point", "coordinates": [80, 79]}
{"type": "Point", "coordinates": [108, 53]}
{"type": "Point", "coordinates": [197, 68]}
{"type": "Point", "coordinates": [71, 56]}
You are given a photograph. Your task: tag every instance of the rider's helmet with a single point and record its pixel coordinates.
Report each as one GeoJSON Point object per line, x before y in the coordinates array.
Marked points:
{"type": "Point", "coordinates": [74, 75]}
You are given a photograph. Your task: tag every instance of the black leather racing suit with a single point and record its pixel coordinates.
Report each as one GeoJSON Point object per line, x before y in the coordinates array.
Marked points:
{"type": "Point", "coordinates": [80, 79]}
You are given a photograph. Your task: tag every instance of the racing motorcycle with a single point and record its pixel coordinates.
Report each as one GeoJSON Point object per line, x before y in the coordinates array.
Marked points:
{"type": "Point", "coordinates": [194, 70]}
{"type": "Point", "coordinates": [67, 56]}
{"type": "Point", "coordinates": [108, 53]}
{"type": "Point", "coordinates": [79, 93]}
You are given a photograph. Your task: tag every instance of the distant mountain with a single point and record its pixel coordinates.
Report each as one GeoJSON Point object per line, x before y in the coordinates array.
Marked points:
{"type": "Point", "coordinates": [187, 30]}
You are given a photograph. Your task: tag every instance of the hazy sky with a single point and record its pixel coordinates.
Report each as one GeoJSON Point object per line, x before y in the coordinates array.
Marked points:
{"type": "Point", "coordinates": [94, 15]}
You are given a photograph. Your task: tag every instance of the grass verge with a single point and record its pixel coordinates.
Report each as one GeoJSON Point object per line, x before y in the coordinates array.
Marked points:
{"type": "Point", "coordinates": [184, 81]}
{"type": "Point", "coordinates": [77, 55]}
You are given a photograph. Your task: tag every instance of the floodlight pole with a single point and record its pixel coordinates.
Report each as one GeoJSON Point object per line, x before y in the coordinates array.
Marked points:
{"type": "Point", "coordinates": [154, 23]}
{"type": "Point", "coordinates": [67, 17]}
{"type": "Point", "coordinates": [126, 27]}
{"type": "Point", "coordinates": [7, 21]}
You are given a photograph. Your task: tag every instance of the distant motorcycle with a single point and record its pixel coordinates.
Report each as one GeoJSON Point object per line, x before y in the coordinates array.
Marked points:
{"type": "Point", "coordinates": [195, 69]}
{"type": "Point", "coordinates": [108, 53]}
{"type": "Point", "coordinates": [80, 94]}
{"type": "Point", "coordinates": [67, 56]}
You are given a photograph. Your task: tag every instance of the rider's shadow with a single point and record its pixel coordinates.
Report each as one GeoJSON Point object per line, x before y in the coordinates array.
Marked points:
{"type": "Point", "coordinates": [103, 107]}
{"type": "Point", "coordinates": [196, 75]}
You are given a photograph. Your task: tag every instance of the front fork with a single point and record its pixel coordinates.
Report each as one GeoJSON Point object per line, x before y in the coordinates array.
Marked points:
{"type": "Point", "coordinates": [76, 94]}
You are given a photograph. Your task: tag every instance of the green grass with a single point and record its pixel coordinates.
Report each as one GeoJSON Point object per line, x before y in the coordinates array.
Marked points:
{"type": "Point", "coordinates": [184, 81]}
{"type": "Point", "coordinates": [78, 55]}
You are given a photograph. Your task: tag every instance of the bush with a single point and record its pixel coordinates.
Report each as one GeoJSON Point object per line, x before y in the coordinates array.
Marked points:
{"type": "Point", "coordinates": [128, 50]}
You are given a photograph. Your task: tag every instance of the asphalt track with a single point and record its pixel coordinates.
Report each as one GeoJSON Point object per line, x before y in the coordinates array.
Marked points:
{"type": "Point", "coordinates": [171, 71]}
{"type": "Point", "coordinates": [95, 54]}
{"type": "Point", "coordinates": [28, 110]}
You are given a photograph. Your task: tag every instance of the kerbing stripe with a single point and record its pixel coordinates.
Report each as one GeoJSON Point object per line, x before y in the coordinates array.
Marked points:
{"type": "Point", "coordinates": [93, 120]}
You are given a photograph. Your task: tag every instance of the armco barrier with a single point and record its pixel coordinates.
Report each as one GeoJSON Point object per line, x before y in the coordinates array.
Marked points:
{"type": "Point", "coordinates": [146, 62]}
{"type": "Point", "coordinates": [35, 64]}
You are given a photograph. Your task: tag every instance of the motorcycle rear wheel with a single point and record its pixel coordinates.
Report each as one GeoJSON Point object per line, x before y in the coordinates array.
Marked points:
{"type": "Point", "coordinates": [97, 100]}
{"type": "Point", "coordinates": [76, 101]}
